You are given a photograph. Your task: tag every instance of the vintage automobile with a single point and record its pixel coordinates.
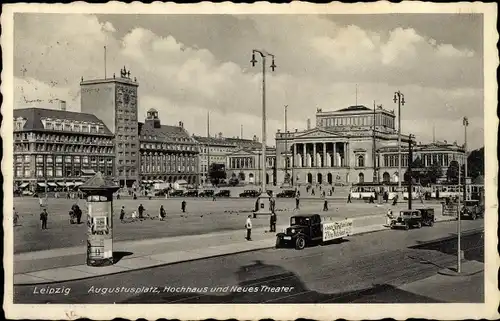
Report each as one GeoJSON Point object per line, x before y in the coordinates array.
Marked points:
{"type": "Point", "coordinates": [471, 209]}
{"type": "Point", "coordinates": [223, 193]}
{"type": "Point", "coordinates": [428, 218]}
{"type": "Point", "coordinates": [309, 229]}
{"type": "Point", "coordinates": [290, 193]}
{"type": "Point", "coordinates": [250, 193]}
{"type": "Point", "coordinates": [206, 193]}
{"type": "Point", "coordinates": [407, 219]}
{"type": "Point", "coordinates": [191, 193]}
{"type": "Point", "coordinates": [177, 192]}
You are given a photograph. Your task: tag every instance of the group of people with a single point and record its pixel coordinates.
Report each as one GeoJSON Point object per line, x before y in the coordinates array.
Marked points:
{"type": "Point", "coordinates": [141, 214]}
{"type": "Point", "coordinates": [272, 225]}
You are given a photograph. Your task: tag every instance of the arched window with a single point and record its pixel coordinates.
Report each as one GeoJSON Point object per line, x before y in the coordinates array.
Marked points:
{"type": "Point", "coordinates": [386, 177]}
{"type": "Point", "coordinates": [309, 178]}
{"type": "Point", "coordinates": [329, 178]}
{"type": "Point", "coordinates": [319, 178]}
{"type": "Point", "coordinates": [361, 161]}
{"type": "Point", "coordinates": [361, 178]}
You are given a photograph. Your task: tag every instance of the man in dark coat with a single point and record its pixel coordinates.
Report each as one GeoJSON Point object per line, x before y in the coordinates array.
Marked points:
{"type": "Point", "coordinates": [141, 211]}
{"type": "Point", "coordinates": [122, 213]}
{"type": "Point", "coordinates": [44, 217]}
{"type": "Point", "coordinates": [272, 222]}
{"type": "Point", "coordinates": [183, 206]}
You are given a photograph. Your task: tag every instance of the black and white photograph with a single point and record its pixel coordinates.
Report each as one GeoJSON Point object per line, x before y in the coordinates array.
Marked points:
{"type": "Point", "coordinates": [245, 161]}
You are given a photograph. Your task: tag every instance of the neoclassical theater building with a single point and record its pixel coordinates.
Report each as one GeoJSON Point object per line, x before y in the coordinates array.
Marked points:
{"type": "Point", "coordinates": [340, 149]}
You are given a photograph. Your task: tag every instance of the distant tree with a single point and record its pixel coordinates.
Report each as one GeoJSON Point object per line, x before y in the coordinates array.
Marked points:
{"type": "Point", "coordinates": [452, 172]}
{"type": "Point", "coordinates": [475, 163]}
{"type": "Point", "coordinates": [434, 173]}
{"type": "Point", "coordinates": [217, 173]}
{"type": "Point", "coordinates": [241, 176]}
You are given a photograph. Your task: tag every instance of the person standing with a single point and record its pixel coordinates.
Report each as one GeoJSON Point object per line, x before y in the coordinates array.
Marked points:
{"type": "Point", "coordinates": [349, 198]}
{"type": "Point", "coordinates": [44, 216]}
{"type": "Point", "coordinates": [272, 203]}
{"type": "Point", "coordinates": [297, 200]}
{"type": "Point", "coordinates": [141, 211]}
{"type": "Point", "coordinates": [183, 206]}
{"type": "Point", "coordinates": [16, 217]}
{"type": "Point", "coordinates": [272, 222]}
{"type": "Point", "coordinates": [248, 226]}
{"type": "Point", "coordinates": [122, 214]}
{"type": "Point", "coordinates": [163, 213]}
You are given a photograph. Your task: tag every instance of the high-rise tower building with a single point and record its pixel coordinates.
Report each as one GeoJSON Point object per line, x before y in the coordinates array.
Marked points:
{"type": "Point", "coordinates": [114, 101]}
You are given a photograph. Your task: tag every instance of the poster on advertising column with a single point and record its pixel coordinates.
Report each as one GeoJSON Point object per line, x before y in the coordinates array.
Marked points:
{"type": "Point", "coordinates": [99, 229]}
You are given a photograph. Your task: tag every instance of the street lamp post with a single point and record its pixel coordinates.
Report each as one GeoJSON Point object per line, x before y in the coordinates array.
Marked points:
{"type": "Point", "coordinates": [263, 55]}
{"type": "Point", "coordinates": [410, 174]}
{"type": "Point", "coordinates": [286, 180]}
{"type": "Point", "coordinates": [399, 98]}
{"type": "Point", "coordinates": [466, 124]}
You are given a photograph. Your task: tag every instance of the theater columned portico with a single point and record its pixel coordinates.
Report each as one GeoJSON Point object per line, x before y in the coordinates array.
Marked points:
{"type": "Point", "coordinates": [320, 154]}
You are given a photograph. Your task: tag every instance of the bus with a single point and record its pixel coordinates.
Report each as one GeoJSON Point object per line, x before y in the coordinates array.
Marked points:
{"type": "Point", "coordinates": [367, 190]}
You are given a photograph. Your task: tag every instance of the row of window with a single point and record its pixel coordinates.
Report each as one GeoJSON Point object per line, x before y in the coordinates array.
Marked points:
{"type": "Point", "coordinates": [380, 120]}
{"type": "Point", "coordinates": [40, 159]}
{"type": "Point", "coordinates": [41, 171]}
{"type": "Point", "coordinates": [175, 139]}
{"type": "Point", "coordinates": [128, 172]}
{"type": "Point", "coordinates": [64, 138]}
{"type": "Point", "coordinates": [169, 147]}
{"type": "Point", "coordinates": [159, 169]}
{"type": "Point", "coordinates": [73, 127]}
{"type": "Point", "coordinates": [393, 160]}
{"type": "Point", "coordinates": [126, 129]}
{"type": "Point", "coordinates": [126, 137]}
{"type": "Point", "coordinates": [64, 149]}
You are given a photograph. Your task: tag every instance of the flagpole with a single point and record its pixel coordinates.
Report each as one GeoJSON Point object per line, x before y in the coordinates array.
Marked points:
{"type": "Point", "coordinates": [105, 63]}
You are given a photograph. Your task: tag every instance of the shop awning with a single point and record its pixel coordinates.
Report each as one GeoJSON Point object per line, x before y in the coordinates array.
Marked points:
{"type": "Point", "coordinates": [78, 183]}
{"type": "Point", "coordinates": [63, 184]}
{"type": "Point", "coordinates": [41, 184]}
{"type": "Point", "coordinates": [23, 185]}
{"type": "Point", "coordinates": [52, 184]}
{"type": "Point", "coordinates": [144, 181]}
{"type": "Point", "coordinates": [70, 184]}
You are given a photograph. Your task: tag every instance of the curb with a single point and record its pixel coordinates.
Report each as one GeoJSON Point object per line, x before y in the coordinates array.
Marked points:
{"type": "Point", "coordinates": [450, 272]}
{"type": "Point", "coordinates": [165, 264]}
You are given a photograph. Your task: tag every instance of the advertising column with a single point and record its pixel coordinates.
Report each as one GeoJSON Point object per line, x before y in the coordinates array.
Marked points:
{"type": "Point", "coordinates": [98, 193]}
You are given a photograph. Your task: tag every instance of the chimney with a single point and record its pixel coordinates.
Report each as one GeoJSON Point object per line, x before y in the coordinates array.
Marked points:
{"type": "Point", "coordinates": [296, 130]}
{"type": "Point", "coordinates": [220, 135]}
{"type": "Point", "coordinates": [62, 104]}
{"type": "Point", "coordinates": [255, 139]}
{"type": "Point", "coordinates": [279, 131]}
{"type": "Point", "coordinates": [308, 123]}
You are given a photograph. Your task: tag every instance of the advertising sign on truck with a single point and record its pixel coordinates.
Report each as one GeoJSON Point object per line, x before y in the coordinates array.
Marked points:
{"type": "Point", "coordinates": [335, 230]}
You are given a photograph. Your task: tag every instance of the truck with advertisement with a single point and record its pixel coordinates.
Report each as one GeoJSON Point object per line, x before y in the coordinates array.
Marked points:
{"type": "Point", "coordinates": [312, 228]}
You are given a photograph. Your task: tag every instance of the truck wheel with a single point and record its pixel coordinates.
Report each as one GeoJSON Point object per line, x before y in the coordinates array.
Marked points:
{"type": "Point", "coordinates": [473, 216]}
{"type": "Point", "coordinates": [300, 243]}
{"type": "Point", "coordinates": [278, 242]}
{"type": "Point", "coordinates": [431, 222]}
{"type": "Point", "coordinates": [407, 226]}
{"type": "Point", "coordinates": [419, 225]}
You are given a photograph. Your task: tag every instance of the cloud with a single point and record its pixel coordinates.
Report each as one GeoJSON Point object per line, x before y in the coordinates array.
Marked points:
{"type": "Point", "coordinates": [319, 65]}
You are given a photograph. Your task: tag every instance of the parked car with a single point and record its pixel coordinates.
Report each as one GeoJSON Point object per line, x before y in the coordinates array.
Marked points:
{"type": "Point", "coordinates": [287, 194]}
{"type": "Point", "coordinates": [177, 192]}
{"type": "Point", "coordinates": [408, 219]}
{"type": "Point", "coordinates": [428, 218]}
{"type": "Point", "coordinates": [191, 193]}
{"type": "Point", "coordinates": [471, 209]}
{"type": "Point", "coordinates": [161, 192]}
{"type": "Point", "coordinates": [310, 228]}
{"type": "Point", "coordinates": [206, 193]}
{"type": "Point", "coordinates": [27, 192]}
{"type": "Point", "coordinates": [223, 193]}
{"type": "Point", "coordinates": [250, 193]}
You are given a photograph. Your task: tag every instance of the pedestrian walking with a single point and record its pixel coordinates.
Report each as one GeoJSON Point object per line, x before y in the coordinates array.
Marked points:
{"type": "Point", "coordinates": [349, 198]}
{"type": "Point", "coordinates": [141, 211]}
{"type": "Point", "coordinates": [297, 200]}
{"type": "Point", "coordinates": [183, 206]}
{"type": "Point", "coordinates": [395, 200]}
{"type": "Point", "coordinates": [390, 217]}
{"type": "Point", "coordinates": [272, 222]}
{"type": "Point", "coordinates": [312, 191]}
{"type": "Point", "coordinates": [248, 226]}
{"type": "Point", "coordinates": [325, 205]}
{"type": "Point", "coordinates": [163, 213]}
{"type": "Point", "coordinates": [15, 216]}
{"type": "Point", "coordinates": [333, 189]}
{"type": "Point", "coordinates": [122, 214]}
{"type": "Point", "coordinates": [44, 216]}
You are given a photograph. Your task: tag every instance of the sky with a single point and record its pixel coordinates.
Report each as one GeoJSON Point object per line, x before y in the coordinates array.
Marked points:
{"type": "Point", "coordinates": [187, 65]}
